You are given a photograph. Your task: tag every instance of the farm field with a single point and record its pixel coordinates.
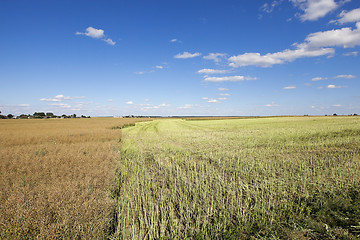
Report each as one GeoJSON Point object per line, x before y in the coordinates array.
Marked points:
{"type": "Point", "coordinates": [263, 178]}
{"type": "Point", "coordinates": [56, 177]}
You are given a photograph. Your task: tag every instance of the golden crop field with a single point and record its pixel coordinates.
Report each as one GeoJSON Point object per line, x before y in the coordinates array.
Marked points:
{"type": "Point", "coordinates": [56, 177]}
{"type": "Point", "coordinates": [213, 178]}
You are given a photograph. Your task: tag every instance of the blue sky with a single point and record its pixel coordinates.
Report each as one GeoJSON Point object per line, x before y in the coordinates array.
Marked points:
{"type": "Point", "coordinates": [231, 57]}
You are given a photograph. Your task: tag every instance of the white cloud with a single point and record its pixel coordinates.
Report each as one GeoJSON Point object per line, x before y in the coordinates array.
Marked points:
{"type": "Point", "coordinates": [216, 57]}
{"type": "Point", "coordinates": [59, 98]}
{"type": "Point", "coordinates": [272, 104]}
{"type": "Point", "coordinates": [186, 106]}
{"type": "Point", "coordinates": [348, 16]}
{"type": "Point", "coordinates": [355, 53]}
{"type": "Point", "coordinates": [212, 71]}
{"type": "Point", "coordinates": [268, 8]}
{"type": "Point", "coordinates": [159, 67]}
{"type": "Point", "coordinates": [289, 87]}
{"type": "Point", "coordinates": [315, 9]}
{"type": "Point", "coordinates": [60, 105]}
{"type": "Point", "coordinates": [269, 59]}
{"type": "Point", "coordinates": [345, 76]}
{"type": "Point", "coordinates": [223, 89]}
{"type": "Point", "coordinates": [349, 76]}
{"type": "Point", "coordinates": [109, 100]}
{"type": "Point", "coordinates": [228, 79]}
{"type": "Point", "coordinates": [185, 55]}
{"type": "Point", "coordinates": [213, 101]}
{"type": "Point", "coordinates": [334, 86]}
{"type": "Point", "coordinates": [139, 73]}
{"type": "Point", "coordinates": [222, 98]}
{"type": "Point", "coordinates": [150, 108]}
{"type": "Point", "coordinates": [96, 33]}
{"type": "Point", "coordinates": [92, 32]}
{"type": "Point", "coordinates": [318, 78]}
{"type": "Point", "coordinates": [345, 37]}
{"type": "Point", "coordinates": [130, 102]}
{"type": "Point", "coordinates": [315, 45]}
{"type": "Point", "coordinates": [337, 105]}
{"type": "Point", "coordinates": [164, 105]}
{"type": "Point", "coordinates": [173, 40]}
{"type": "Point", "coordinates": [224, 94]}
{"type": "Point", "coordinates": [204, 98]}
{"type": "Point", "coordinates": [109, 41]}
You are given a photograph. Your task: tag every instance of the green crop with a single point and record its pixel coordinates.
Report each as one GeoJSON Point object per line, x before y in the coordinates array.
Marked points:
{"type": "Point", "coordinates": [264, 178]}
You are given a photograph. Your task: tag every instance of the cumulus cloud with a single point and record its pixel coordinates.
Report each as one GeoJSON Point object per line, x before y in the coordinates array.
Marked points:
{"type": "Point", "coordinates": [92, 32]}
{"type": "Point", "coordinates": [174, 40]}
{"type": "Point", "coordinates": [159, 67]}
{"type": "Point", "coordinates": [212, 71]}
{"type": "Point", "coordinates": [318, 78]}
{"type": "Point", "coordinates": [216, 57]}
{"type": "Point", "coordinates": [345, 76]}
{"type": "Point", "coordinates": [129, 102]}
{"type": "Point", "coordinates": [269, 59]}
{"type": "Point", "coordinates": [289, 87]}
{"type": "Point", "coordinates": [60, 105]}
{"type": "Point", "coordinates": [315, 9]}
{"type": "Point", "coordinates": [213, 101]}
{"type": "Point", "coordinates": [149, 108]}
{"type": "Point", "coordinates": [109, 41]}
{"type": "Point", "coordinates": [331, 86]}
{"type": "Point", "coordinates": [186, 106]}
{"type": "Point", "coordinates": [268, 8]}
{"type": "Point", "coordinates": [59, 98]}
{"type": "Point", "coordinates": [272, 104]}
{"type": "Point", "coordinates": [344, 37]}
{"type": "Point", "coordinates": [164, 105]}
{"type": "Point", "coordinates": [185, 55]}
{"type": "Point", "coordinates": [355, 53]}
{"type": "Point", "coordinates": [96, 33]}
{"type": "Point", "coordinates": [348, 16]}
{"type": "Point", "coordinates": [228, 79]}
{"type": "Point", "coordinates": [315, 45]}
{"type": "Point", "coordinates": [223, 89]}
{"type": "Point", "coordinates": [224, 94]}
{"type": "Point", "coordinates": [337, 105]}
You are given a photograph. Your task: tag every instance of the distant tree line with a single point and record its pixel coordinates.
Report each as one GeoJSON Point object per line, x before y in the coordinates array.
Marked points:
{"type": "Point", "coordinates": [40, 115]}
{"type": "Point", "coordinates": [133, 116]}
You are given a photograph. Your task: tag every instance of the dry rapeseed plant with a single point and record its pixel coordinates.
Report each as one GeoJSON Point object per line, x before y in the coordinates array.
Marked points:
{"type": "Point", "coordinates": [56, 176]}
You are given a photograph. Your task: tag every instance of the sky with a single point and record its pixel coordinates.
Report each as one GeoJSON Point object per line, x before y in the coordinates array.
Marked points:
{"type": "Point", "coordinates": [180, 58]}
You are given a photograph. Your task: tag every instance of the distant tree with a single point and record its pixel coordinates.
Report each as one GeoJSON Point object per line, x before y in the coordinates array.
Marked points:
{"type": "Point", "coordinates": [39, 115]}
{"type": "Point", "coordinates": [73, 116]}
{"type": "Point", "coordinates": [50, 115]}
{"type": "Point", "coordinates": [10, 116]}
{"type": "Point", "coordinates": [334, 114]}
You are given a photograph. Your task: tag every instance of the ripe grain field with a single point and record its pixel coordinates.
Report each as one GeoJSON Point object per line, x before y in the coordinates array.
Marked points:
{"type": "Point", "coordinates": [265, 178]}
{"type": "Point", "coordinates": [56, 177]}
